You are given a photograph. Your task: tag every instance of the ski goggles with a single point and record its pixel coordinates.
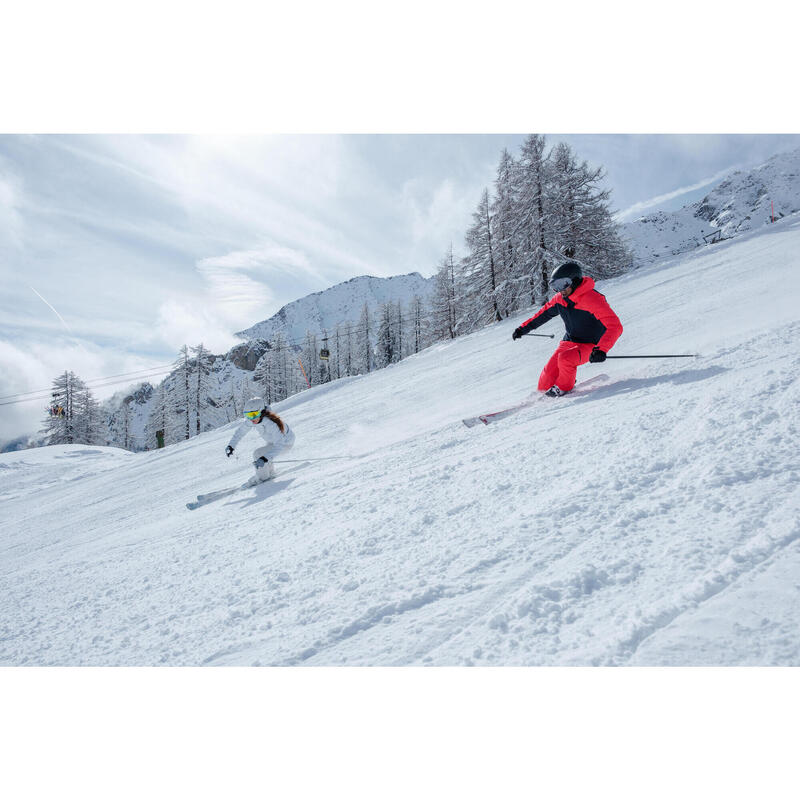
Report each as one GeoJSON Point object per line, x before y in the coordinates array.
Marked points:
{"type": "Point", "coordinates": [252, 414]}
{"type": "Point", "coordinates": [559, 284]}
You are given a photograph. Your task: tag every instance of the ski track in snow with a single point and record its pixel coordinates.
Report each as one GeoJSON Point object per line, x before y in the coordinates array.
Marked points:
{"type": "Point", "coordinates": [653, 520]}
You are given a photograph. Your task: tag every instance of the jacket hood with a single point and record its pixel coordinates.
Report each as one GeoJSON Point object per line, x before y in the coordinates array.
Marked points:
{"type": "Point", "coordinates": [587, 284]}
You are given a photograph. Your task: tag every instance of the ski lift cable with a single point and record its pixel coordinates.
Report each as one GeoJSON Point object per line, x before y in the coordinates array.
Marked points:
{"type": "Point", "coordinates": [149, 370]}
{"type": "Point", "coordinates": [45, 394]}
{"type": "Point", "coordinates": [127, 377]}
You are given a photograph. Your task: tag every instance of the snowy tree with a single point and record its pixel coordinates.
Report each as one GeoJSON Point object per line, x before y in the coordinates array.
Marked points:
{"type": "Point", "coordinates": [60, 425]}
{"type": "Point", "coordinates": [182, 400]}
{"type": "Point", "coordinates": [282, 368]}
{"type": "Point", "coordinates": [364, 356]}
{"type": "Point", "coordinates": [203, 361]}
{"type": "Point", "coordinates": [444, 305]}
{"type": "Point", "coordinates": [342, 353]}
{"type": "Point", "coordinates": [581, 222]}
{"type": "Point", "coordinates": [336, 352]}
{"type": "Point", "coordinates": [399, 329]}
{"type": "Point", "coordinates": [246, 391]}
{"type": "Point", "coordinates": [74, 415]}
{"type": "Point", "coordinates": [418, 336]}
{"type": "Point", "coordinates": [125, 420]}
{"type": "Point", "coordinates": [386, 346]}
{"type": "Point", "coordinates": [157, 421]}
{"type": "Point", "coordinates": [310, 358]}
{"type": "Point", "coordinates": [264, 376]}
{"type": "Point", "coordinates": [273, 371]}
{"type": "Point", "coordinates": [89, 425]}
{"type": "Point", "coordinates": [531, 219]}
{"type": "Point", "coordinates": [503, 212]}
{"type": "Point", "coordinates": [479, 278]}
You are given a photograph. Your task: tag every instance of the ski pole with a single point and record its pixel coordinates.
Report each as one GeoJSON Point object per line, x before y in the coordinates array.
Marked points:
{"type": "Point", "coordinates": [543, 335]}
{"type": "Point", "coordinates": [681, 355]}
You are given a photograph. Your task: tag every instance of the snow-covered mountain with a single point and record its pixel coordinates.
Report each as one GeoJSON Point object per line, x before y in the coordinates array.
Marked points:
{"type": "Point", "coordinates": [341, 303]}
{"type": "Point", "coordinates": [742, 202]}
{"type": "Point", "coordinates": [652, 521]}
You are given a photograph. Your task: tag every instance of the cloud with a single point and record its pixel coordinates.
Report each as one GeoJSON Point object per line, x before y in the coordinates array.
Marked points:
{"type": "Point", "coordinates": [190, 322]}
{"type": "Point", "coordinates": [264, 260]}
{"type": "Point", "coordinates": [637, 208]}
{"type": "Point", "coordinates": [20, 372]}
{"type": "Point", "coordinates": [240, 286]}
{"type": "Point", "coordinates": [229, 290]}
{"type": "Point", "coordinates": [10, 217]}
{"type": "Point", "coordinates": [437, 213]}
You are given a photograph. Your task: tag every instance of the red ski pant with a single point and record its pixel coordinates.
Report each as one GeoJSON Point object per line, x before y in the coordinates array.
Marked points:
{"type": "Point", "coordinates": [563, 364]}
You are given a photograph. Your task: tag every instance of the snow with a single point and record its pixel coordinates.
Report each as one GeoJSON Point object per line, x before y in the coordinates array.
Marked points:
{"type": "Point", "coordinates": [652, 521]}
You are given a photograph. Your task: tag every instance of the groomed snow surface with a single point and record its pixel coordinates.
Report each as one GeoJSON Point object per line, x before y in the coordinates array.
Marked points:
{"type": "Point", "coordinates": [652, 521]}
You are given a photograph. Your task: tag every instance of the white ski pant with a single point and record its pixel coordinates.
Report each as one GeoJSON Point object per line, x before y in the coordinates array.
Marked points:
{"type": "Point", "coordinates": [265, 471]}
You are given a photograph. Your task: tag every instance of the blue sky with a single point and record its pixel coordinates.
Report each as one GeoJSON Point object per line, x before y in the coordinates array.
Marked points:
{"type": "Point", "coordinates": [117, 249]}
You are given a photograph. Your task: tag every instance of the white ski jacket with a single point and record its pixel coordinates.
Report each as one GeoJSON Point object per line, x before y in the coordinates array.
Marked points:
{"type": "Point", "coordinates": [270, 433]}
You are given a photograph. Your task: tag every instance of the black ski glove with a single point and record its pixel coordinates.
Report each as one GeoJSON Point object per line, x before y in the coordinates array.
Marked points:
{"type": "Point", "coordinates": [229, 451]}
{"type": "Point", "coordinates": [597, 356]}
{"type": "Point", "coordinates": [517, 333]}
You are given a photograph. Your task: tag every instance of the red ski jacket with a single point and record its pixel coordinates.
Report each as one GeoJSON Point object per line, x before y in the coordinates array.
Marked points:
{"type": "Point", "coordinates": [587, 317]}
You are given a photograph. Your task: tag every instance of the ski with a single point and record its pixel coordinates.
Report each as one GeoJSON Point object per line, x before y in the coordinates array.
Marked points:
{"type": "Point", "coordinates": [210, 497]}
{"type": "Point", "coordinates": [203, 499]}
{"type": "Point", "coordinates": [580, 388]}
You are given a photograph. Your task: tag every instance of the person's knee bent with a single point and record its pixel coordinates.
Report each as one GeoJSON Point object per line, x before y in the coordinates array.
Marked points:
{"type": "Point", "coordinates": [570, 357]}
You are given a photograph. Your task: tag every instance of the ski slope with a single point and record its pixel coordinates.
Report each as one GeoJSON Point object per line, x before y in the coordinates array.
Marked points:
{"type": "Point", "coordinates": [652, 521]}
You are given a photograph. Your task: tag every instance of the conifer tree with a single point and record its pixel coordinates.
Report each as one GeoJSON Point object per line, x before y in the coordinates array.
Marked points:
{"type": "Point", "coordinates": [365, 356]}
{"type": "Point", "coordinates": [245, 392]}
{"type": "Point", "coordinates": [59, 426]}
{"type": "Point", "coordinates": [264, 376]}
{"type": "Point", "coordinates": [310, 358]}
{"type": "Point", "coordinates": [444, 305]}
{"type": "Point", "coordinates": [503, 212]}
{"type": "Point", "coordinates": [282, 368]}
{"type": "Point", "coordinates": [157, 421]}
{"type": "Point", "coordinates": [89, 425]}
{"type": "Point", "coordinates": [202, 367]}
{"type": "Point", "coordinates": [385, 348]}
{"type": "Point", "coordinates": [581, 224]}
{"type": "Point", "coordinates": [74, 415]}
{"type": "Point", "coordinates": [399, 329]}
{"type": "Point", "coordinates": [336, 353]}
{"type": "Point", "coordinates": [183, 376]}
{"type": "Point", "coordinates": [418, 323]}
{"type": "Point", "coordinates": [479, 278]}
{"type": "Point", "coordinates": [530, 188]}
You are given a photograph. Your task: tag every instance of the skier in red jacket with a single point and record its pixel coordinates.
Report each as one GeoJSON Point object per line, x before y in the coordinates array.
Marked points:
{"type": "Point", "coordinates": [592, 327]}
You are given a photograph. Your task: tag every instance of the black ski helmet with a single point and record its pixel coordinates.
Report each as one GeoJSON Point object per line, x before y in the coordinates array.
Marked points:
{"type": "Point", "coordinates": [569, 270]}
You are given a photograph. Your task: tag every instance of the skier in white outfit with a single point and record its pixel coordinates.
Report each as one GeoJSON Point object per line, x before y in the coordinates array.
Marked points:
{"type": "Point", "coordinates": [275, 432]}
